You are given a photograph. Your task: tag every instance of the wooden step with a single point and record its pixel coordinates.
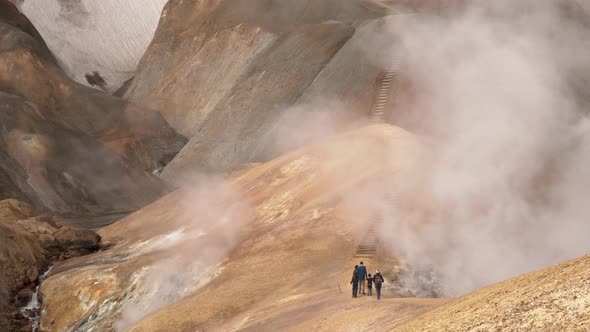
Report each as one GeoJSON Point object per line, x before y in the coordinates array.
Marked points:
{"type": "Point", "coordinates": [383, 94]}
{"type": "Point", "coordinates": [369, 243]}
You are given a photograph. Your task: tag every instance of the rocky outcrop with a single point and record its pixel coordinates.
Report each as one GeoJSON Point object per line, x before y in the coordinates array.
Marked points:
{"type": "Point", "coordinates": [27, 246]}
{"type": "Point", "coordinates": [68, 148]}
{"type": "Point", "coordinates": [77, 239]}
{"type": "Point", "coordinates": [234, 249]}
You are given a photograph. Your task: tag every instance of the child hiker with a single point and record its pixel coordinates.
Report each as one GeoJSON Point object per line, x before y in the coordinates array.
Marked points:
{"type": "Point", "coordinates": [369, 285]}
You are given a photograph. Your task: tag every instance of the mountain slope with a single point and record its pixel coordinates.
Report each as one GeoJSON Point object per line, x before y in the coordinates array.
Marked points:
{"type": "Point", "coordinates": [70, 149]}
{"type": "Point", "coordinates": [231, 134]}
{"type": "Point", "coordinates": [272, 53]}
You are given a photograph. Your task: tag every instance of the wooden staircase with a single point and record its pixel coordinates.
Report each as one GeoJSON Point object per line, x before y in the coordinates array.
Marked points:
{"type": "Point", "coordinates": [370, 242]}
{"type": "Point", "coordinates": [377, 115]}
{"type": "Point", "coordinates": [368, 245]}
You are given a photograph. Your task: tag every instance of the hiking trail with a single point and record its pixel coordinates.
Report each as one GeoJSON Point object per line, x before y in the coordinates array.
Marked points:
{"type": "Point", "coordinates": [370, 242]}
{"type": "Point", "coordinates": [368, 245]}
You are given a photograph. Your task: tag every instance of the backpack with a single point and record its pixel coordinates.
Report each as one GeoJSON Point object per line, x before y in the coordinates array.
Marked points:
{"type": "Point", "coordinates": [378, 279]}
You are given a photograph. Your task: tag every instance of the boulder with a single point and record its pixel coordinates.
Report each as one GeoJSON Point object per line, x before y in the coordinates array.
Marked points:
{"type": "Point", "coordinates": [27, 328]}
{"type": "Point", "coordinates": [76, 239]}
{"type": "Point", "coordinates": [23, 297]}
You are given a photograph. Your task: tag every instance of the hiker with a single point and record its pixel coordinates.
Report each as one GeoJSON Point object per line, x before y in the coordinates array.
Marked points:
{"type": "Point", "coordinates": [362, 275]}
{"type": "Point", "coordinates": [378, 280]}
{"type": "Point", "coordinates": [370, 285]}
{"type": "Point", "coordinates": [355, 281]}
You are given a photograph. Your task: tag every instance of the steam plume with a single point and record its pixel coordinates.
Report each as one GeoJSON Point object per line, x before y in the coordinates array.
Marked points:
{"type": "Point", "coordinates": [502, 192]}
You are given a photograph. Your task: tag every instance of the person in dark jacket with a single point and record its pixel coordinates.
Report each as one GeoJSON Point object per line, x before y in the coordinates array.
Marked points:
{"type": "Point", "coordinates": [355, 281]}
{"type": "Point", "coordinates": [362, 274]}
{"type": "Point", "coordinates": [369, 285]}
{"type": "Point", "coordinates": [378, 280]}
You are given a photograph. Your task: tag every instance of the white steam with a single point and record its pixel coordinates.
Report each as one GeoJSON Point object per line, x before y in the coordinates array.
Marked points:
{"type": "Point", "coordinates": [211, 215]}
{"type": "Point", "coordinates": [504, 190]}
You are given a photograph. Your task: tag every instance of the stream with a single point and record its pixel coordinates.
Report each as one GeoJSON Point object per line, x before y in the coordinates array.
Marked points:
{"type": "Point", "coordinates": [33, 309]}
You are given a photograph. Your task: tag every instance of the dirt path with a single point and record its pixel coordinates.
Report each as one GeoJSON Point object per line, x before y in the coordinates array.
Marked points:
{"type": "Point", "coordinates": [342, 313]}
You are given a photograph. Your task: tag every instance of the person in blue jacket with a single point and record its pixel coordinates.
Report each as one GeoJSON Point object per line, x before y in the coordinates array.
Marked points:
{"type": "Point", "coordinates": [362, 276]}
